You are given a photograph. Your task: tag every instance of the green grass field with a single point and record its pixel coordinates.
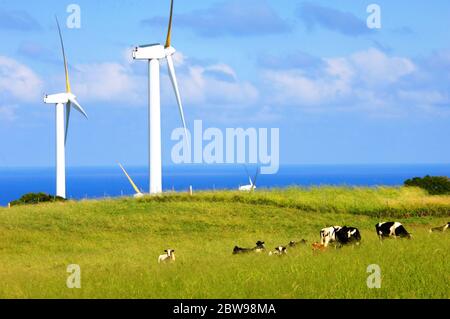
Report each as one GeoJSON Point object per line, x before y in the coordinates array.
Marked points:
{"type": "Point", "coordinates": [117, 244]}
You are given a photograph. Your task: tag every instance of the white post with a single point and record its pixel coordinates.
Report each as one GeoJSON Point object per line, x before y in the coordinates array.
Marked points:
{"type": "Point", "coordinates": [60, 152]}
{"type": "Point", "coordinates": [155, 166]}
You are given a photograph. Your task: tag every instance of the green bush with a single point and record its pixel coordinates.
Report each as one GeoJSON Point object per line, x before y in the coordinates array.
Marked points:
{"type": "Point", "coordinates": [36, 198]}
{"type": "Point", "coordinates": [435, 185]}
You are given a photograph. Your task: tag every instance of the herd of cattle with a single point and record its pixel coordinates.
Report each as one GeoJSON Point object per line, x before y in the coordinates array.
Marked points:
{"type": "Point", "coordinates": [340, 236]}
{"type": "Point", "coordinates": [336, 235]}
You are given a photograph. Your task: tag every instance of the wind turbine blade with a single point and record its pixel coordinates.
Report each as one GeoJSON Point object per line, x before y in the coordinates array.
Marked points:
{"type": "Point", "coordinates": [136, 189]}
{"type": "Point", "coordinates": [256, 176]}
{"type": "Point", "coordinates": [169, 30]}
{"type": "Point", "coordinates": [173, 78]}
{"type": "Point", "coordinates": [67, 121]}
{"type": "Point", "coordinates": [77, 106]}
{"type": "Point", "coordinates": [66, 69]}
{"type": "Point", "coordinates": [248, 175]}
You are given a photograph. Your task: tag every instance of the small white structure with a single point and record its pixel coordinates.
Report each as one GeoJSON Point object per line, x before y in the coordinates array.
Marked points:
{"type": "Point", "coordinates": [169, 256]}
{"type": "Point", "coordinates": [69, 100]}
{"type": "Point", "coordinates": [252, 186]}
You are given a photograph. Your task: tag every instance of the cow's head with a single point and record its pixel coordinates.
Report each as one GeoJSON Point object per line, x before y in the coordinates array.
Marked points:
{"type": "Point", "coordinates": [281, 249]}
{"type": "Point", "coordinates": [169, 252]}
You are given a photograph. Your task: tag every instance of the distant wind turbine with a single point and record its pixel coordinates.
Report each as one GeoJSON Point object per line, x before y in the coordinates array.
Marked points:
{"type": "Point", "coordinates": [69, 100]}
{"type": "Point", "coordinates": [153, 53]}
{"type": "Point", "coordinates": [252, 186]}
{"type": "Point", "coordinates": [136, 189]}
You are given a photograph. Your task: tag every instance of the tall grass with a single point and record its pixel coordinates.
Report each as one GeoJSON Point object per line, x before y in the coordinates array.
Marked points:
{"type": "Point", "coordinates": [380, 201]}
{"type": "Point", "coordinates": [117, 243]}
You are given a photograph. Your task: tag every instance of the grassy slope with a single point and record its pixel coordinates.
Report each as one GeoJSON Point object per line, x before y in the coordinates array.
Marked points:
{"type": "Point", "coordinates": [117, 242]}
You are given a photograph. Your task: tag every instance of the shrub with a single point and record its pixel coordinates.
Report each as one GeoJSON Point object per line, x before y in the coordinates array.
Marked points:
{"type": "Point", "coordinates": [434, 185]}
{"type": "Point", "coordinates": [36, 198]}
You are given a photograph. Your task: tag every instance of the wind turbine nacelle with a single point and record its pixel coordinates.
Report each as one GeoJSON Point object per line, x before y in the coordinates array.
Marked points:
{"type": "Point", "coordinates": [247, 188]}
{"type": "Point", "coordinates": [62, 98]}
{"type": "Point", "coordinates": [149, 52]}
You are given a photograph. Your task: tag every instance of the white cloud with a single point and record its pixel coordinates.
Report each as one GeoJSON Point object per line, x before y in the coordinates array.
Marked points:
{"type": "Point", "coordinates": [18, 83]}
{"type": "Point", "coordinates": [202, 89]}
{"type": "Point", "coordinates": [108, 82]}
{"type": "Point", "coordinates": [217, 84]}
{"type": "Point", "coordinates": [293, 87]}
{"type": "Point", "coordinates": [376, 68]}
{"type": "Point", "coordinates": [224, 68]}
{"type": "Point", "coordinates": [126, 83]}
{"type": "Point", "coordinates": [364, 78]}
{"type": "Point", "coordinates": [179, 59]}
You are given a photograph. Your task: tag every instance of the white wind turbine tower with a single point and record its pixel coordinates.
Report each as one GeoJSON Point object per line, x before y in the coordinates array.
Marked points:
{"type": "Point", "coordinates": [153, 53]}
{"type": "Point", "coordinates": [68, 100]}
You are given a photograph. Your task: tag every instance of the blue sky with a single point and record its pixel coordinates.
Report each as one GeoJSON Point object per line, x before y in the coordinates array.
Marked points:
{"type": "Point", "coordinates": [339, 92]}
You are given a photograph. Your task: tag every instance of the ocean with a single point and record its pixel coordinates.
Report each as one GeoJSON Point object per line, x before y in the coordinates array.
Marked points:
{"type": "Point", "coordinates": [99, 182]}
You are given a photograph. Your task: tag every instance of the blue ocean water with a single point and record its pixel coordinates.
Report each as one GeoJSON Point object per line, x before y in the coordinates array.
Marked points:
{"type": "Point", "coordinates": [98, 182]}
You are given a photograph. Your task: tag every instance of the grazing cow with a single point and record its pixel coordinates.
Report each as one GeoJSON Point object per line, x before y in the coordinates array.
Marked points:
{"type": "Point", "coordinates": [328, 235]}
{"type": "Point", "coordinates": [168, 256]}
{"type": "Point", "coordinates": [318, 247]}
{"type": "Point", "coordinates": [348, 235]}
{"type": "Point", "coordinates": [259, 248]}
{"type": "Point", "coordinates": [280, 251]}
{"type": "Point", "coordinates": [440, 228]}
{"type": "Point", "coordinates": [293, 243]}
{"type": "Point", "coordinates": [391, 229]}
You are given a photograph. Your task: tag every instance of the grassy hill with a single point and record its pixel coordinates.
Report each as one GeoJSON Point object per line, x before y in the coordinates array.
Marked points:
{"type": "Point", "coordinates": [117, 242]}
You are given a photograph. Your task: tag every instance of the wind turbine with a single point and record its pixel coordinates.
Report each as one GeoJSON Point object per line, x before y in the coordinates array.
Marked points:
{"type": "Point", "coordinates": [153, 53]}
{"type": "Point", "coordinates": [69, 100]}
{"type": "Point", "coordinates": [252, 186]}
{"type": "Point", "coordinates": [136, 189]}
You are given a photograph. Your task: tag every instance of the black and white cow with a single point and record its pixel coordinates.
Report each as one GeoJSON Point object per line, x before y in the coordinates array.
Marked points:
{"type": "Point", "coordinates": [280, 251]}
{"type": "Point", "coordinates": [328, 235]}
{"type": "Point", "coordinates": [391, 229]}
{"type": "Point", "coordinates": [440, 228]}
{"type": "Point", "coordinates": [260, 247]}
{"type": "Point", "coordinates": [340, 235]}
{"type": "Point", "coordinates": [348, 235]}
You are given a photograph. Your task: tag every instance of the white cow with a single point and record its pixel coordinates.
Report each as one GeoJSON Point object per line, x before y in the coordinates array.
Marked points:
{"type": "Point", "coordinates": [168, 256]}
